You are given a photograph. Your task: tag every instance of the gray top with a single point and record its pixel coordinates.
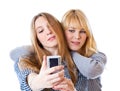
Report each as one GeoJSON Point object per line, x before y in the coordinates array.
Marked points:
{"type": "Point", "coordinates": [89, 69]}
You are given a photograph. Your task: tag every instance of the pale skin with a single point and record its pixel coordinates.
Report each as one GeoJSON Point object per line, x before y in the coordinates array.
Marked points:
{"type": "Point", "coordinates": [45, 35]}
{"type": "Point", "coordinates": [48, 39]}
{"type": "Point", "coordinates": [76, 39]}
{"type": "Point", "coordinates": [45, 77]}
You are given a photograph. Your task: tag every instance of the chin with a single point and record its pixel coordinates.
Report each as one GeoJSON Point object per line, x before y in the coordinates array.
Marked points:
{"type": "Point", "coordinates": [74, 49]}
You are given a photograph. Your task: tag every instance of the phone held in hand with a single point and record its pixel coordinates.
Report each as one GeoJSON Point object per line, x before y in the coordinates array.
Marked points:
{"type": "Point", "coordinates": [53, 61]}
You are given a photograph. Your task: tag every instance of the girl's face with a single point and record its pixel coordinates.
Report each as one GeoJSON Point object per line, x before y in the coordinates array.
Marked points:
{"type": "Point", "coordinates": [44, 33]}
{"type": "Point", "coordinates": [75, 38]}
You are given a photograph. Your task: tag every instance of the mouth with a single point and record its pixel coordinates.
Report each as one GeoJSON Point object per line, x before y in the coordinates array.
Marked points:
{"type": "Point", "coordinates": [51, 38]}
{"type": "Point", "coordinates": [75, 43]}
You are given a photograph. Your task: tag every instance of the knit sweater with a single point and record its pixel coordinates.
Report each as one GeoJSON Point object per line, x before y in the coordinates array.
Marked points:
{"type": "Point", "coordinates": [89, 70]}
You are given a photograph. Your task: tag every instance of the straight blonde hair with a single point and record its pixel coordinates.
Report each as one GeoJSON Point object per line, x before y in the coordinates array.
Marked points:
{"type": "Point", "coordinates": [77, 19]}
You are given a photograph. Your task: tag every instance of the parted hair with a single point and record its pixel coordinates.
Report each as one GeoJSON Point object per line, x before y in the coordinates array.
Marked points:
{"type": "Point", "coordinates": [77, 19]}
{"type": "Point", "coordinates": [35, 60]}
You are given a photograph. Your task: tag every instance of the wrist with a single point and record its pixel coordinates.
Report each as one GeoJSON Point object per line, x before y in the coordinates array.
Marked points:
{"type": "Point", "coordinates": [32, 82]}
{"type": "Point", "coordinates": [31, 78]}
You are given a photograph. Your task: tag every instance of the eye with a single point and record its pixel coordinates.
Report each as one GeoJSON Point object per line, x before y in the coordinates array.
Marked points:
{"type": "Point", "coordinates": [71, 30]}
{"type": "Point", "coordinates": [82, 31]}
{"type": "Point", "coordinates": [40, 30]}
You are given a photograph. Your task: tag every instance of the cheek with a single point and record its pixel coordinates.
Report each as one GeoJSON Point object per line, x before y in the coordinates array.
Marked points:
{"type": "Point", "coordinates": [41, 39]}
{"type": "Point", "coordinates": [67, 35]}
{"type": "Point", "coordinates": [68, 38]}
{"type": "Point", "coordinates": [84, 39]}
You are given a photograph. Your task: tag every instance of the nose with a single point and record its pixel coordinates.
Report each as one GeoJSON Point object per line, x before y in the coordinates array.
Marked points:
{"type": "Point", "coordinates": [77, 35]}
{"type": "Point", "coordinates": [48, 30]}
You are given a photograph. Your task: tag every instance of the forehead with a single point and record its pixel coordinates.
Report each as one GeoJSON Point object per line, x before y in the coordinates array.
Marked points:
{"type": "Point", "coordinates": [75, 25]}
{"type": "Point", "coordinates": [75, 22]}
{"type": "Point", "coordinates": [40, 21]}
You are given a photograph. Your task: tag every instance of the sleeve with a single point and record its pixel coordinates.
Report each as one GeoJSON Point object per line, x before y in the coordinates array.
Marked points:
{"type": "Point", "coordinates": [22, 77]}
{"type": "Point", "coordinates": [91, 67]}
{"type": "Point", "coordinates": [15, 54]}
{"type": "Point", "coordinates": [18, 52]}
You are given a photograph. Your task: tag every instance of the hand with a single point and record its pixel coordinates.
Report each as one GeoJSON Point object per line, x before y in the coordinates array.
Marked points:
{"type": "Point", "coordinates": [45, 78]}
{"type": "Point", "coordinates": [65, 85]}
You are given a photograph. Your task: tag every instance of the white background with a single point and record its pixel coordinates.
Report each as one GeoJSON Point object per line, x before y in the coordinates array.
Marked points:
{"type": "Point", "coordinates": [15, 20]}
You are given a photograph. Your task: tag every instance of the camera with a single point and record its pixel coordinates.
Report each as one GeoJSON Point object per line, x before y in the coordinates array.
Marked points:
{"type": "Point", "coordinates": [53, 61]}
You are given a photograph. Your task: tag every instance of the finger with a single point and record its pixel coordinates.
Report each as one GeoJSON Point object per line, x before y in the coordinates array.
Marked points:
{"type": "Point", "coordinates": [64, 85]}
{"type": "Point", "coordinates": [57, 77]}
{"type": "Point", "coordinates": [44, 64]}
{"type": "Point", "coordinates": [55, 69]}
{"type": "Point", "coordinates": [60, 87]}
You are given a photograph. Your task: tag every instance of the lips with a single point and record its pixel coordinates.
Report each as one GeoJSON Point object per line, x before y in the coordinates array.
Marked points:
{"type": "Point", "coordinates": [75, 43]}
{"type": "Point", "coordinates": [51, 38]}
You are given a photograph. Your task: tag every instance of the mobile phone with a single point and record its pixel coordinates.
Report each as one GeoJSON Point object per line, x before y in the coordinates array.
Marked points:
{"type": "Point", "coordinates": [53, 61]}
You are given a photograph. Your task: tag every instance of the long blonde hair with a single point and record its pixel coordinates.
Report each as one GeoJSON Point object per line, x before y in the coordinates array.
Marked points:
{"type": "Point", "coordinates": [62, 45]}
{"type": "Point", "coordinates": [77, 19]}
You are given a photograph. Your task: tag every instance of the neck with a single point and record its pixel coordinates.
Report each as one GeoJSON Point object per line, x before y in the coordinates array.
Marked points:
{"type": "Point", "coordinates": [53, 51]}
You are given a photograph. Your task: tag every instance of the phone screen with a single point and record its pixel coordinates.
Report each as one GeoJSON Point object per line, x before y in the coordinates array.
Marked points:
{"type": "Point", "coordinates": [53, 62]}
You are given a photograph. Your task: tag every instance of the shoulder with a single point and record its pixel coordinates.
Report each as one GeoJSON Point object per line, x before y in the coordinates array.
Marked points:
{"type": "Point", "coordinates": [18, 52]}
{"type": "Point", "coordinates": [98, 53]}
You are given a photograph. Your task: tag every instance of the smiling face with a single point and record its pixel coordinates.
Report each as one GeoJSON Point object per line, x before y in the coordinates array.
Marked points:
{"type": "Point", "coordinates": [75, 38]}
{"type": "Point", "coordinates": [45, 33]}
{"type": "Point", "coordinates": [76, 30]}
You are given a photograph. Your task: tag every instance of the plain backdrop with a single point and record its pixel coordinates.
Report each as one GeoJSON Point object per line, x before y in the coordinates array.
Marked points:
{"type": "Point", "coordinates": [15, 20]}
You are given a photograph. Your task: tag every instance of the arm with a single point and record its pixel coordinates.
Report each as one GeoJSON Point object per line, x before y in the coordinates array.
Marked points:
{"type": "Point", "coordinates": [18, 52]}
{"type": "Point", "coordinates": [90, 67]}
{"type": "Point", "coordinates": [22, 76]}
{"type": "Point", "coordinates": [28, 78]}
{"type": "Point", "coordinates": [65, 85]}
{"type": "Point", "coordinates": [15, 54]}
{"type": "Point", "coordinates": [44, 79]}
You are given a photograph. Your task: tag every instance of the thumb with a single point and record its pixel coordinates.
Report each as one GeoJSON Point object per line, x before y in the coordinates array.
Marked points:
{"type": "Point", "coordinates": [44, 64]}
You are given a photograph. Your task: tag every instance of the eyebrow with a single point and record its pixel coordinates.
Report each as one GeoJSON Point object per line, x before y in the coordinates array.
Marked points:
{"type": "Point", "coordinates": [72, 27]}
{"type": "Point", "coordinates": [76, 28]}
{"type": "Point", "coordinates": [38, 28]}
